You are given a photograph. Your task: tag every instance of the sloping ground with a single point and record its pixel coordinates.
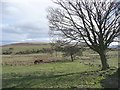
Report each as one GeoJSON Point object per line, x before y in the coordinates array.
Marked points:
{"type": "Point", "coordinates": [18, 47]}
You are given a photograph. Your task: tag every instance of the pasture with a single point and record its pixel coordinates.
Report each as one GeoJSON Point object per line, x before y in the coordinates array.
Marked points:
{"type": "Point", "coordinates": [19, 71]}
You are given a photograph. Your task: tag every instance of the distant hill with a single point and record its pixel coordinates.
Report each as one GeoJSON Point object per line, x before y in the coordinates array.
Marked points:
{"type": "Point", "coordinates": [25, 44]}
{"type": "Point", "coordinates": [24, 48]}
{"type": "Point", "coordinates": [44, 44]}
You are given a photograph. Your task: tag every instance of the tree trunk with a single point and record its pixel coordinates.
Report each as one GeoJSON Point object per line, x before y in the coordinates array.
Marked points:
{"type": "Point", "coordinates": [71, 57]}
{"type": "Point", "coordinates": [105, 65]}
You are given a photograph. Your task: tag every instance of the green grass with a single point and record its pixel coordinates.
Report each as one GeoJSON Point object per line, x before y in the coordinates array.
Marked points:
{"type": "Point", "coordinates": [17, 72]}
{"type": "Point", "coordinates": [53, 75]}
{"type": "Point", "coordinates": [43, 75]}
{"type": "Point", "coordinates": [18, 48]}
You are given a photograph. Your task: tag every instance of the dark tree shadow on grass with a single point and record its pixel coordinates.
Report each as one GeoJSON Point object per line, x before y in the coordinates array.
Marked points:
{"type": "Point", "coordinates": [112, 81]}
{"type": "Point", "coordinates": [50, 79]}
{"type": "Point", "coordinates": [28, 80]}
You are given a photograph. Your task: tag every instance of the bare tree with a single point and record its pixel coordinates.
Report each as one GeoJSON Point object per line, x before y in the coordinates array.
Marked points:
{"type": "Point", "coordinates": [93, 21]}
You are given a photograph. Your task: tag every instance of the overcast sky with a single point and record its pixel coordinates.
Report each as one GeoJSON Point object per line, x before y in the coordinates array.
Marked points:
{"type": "Point", "coordinates": [24, 20]}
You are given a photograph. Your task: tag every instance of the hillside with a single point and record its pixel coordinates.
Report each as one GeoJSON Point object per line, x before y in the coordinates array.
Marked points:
{"type": "Point", "coordinates": [25, 44]}
{"type": "Point", "coordinates": [24, 47]}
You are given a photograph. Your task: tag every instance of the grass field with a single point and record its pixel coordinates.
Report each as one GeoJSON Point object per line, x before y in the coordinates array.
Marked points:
{"type": "Point", "coordinates": [57, 74]}
{"type": "Point", "coordinates": [19, 71]}
{"type": "Point", "coordinates": [53, 75]}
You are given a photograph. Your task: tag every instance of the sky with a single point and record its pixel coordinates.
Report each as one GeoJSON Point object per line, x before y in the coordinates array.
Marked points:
{"type": "Point", "coordinates": [24, 20]}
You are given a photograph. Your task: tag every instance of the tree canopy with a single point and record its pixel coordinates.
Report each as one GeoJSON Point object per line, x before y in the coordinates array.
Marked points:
{"type": "Point", "coordinates": [92, 21]}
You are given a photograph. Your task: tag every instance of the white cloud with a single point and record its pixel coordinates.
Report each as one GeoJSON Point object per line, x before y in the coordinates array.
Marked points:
{"type": "Point", "coordinates": [25, 20]}
{"type": "Point", "coordinates": [27, 10]}
{"type": "Point", "coordinates": [26, 32]}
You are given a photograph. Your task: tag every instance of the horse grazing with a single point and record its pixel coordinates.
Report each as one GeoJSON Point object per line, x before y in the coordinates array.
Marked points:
{"type": "Point", "coordinates": [38, 61]}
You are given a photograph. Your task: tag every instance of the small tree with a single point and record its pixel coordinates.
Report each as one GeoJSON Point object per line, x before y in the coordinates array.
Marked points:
{"type": "Point", "coordinates": [72, 51]}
